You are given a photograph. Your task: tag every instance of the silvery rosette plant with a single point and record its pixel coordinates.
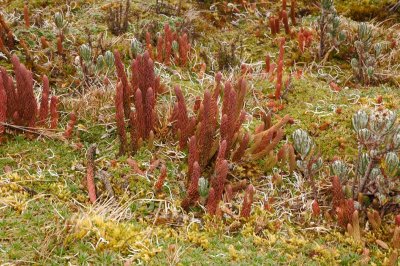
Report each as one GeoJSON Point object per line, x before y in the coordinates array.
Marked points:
{"type": "Point", "coordinates": [330, 31]}
{"type": "Point", "coordinates": [61, 23]}
{"type": "Point", "coordinates": [368, 54]}
{"type": "Point", "coordinates": [377, 167]}
{"type": "Point", "coordinates": [309, 162]}
{"type": "Point", "coordinates": [92, 66]}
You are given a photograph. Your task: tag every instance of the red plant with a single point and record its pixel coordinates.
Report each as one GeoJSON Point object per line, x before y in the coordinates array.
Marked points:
{"type": "Point", "coordinates": [184, 49]}
{"type": "Point", "coordinates": [300, 40]}
{"type": "Point", "coordinates": [193, 155]}
{"type": "Point", "coordinates": [232, 114]}
{"type": "Point", "coordinates": [164, 47]}
{"type": "Point", "coordinates": [126, 89]}
{"type": "Point", "coordinates": [27, 107]}
{"type": "Point", "coordinates": [26, 16]}
{"type": "Point", "coordinates": [218, 181]}
{"type": "Point", "coordinates": [212, 202]}
{"type": "Point", "coordinates": [90, 172]}
{"type": "Point", "coordinates": [185, 124]}
{"type": "Point", "coordinates": [278, 86]}
{"type": "Point", "coordinates": [21, 104]}
{"type": "Point", "coordinates": [274, 25]}
{"type": "Point", "coordinates": [345, 212]}
{"type": "Point", "coordinates": [293, 12]}
{"type": "Point", "coordinates": [44, 103]}
{"type": "Point", "coordinates": [265, 141]}
{"type": "Point", "coordinates": [337, 193]}
{"type": "Point", "coordinates": [267, 63]}
{"type": "Point", "coordinates": [161, 178]}
{"type": "Point", "coordinates": [44, 42]}
{"type": "Point", "coordinates": [145, 85]}
{"type": "Point", "coordinates": [240, 151]}
{"type": "Point", "coordinates": [119, 115]}
{"type": "Point", "coordinates": [315, 208]}
{"type": "Point", "coordinates": [304, 38]}
{"type": "Point", "coordinates": [3, 107]}
{"type": "Point", "coordinates": [247, 202]}
{"type": "Point", "coordinates": [397, 220]}
{"type": "Point", "coordinates": [206, 128]}
{"type": "Point", "coordinates": [70, 127]}
{"type": "Point", "coordinates": [53, 112]}
{"type": "Point", "coordinates": [60, 49]}
{"type": "Point", "coordinates": [285, 22]}
{"type": "Point", "coordinates": [192, 193]}
{"type": "Point", "coordinates": [160, 45]}
{"type": "Point", "coordinates": [6, 35]}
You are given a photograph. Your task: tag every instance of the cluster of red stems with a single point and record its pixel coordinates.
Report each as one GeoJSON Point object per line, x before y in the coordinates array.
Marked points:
{"type": "Point", "coordinates": [212, 136]}
{"type": "Point", "coordinates": [142, 90]}
{"type": "Point", "coordinates": [207, 148]}
{"type": "Point", "coordinates": [7, 41]}
{"type": "Point", "coordinates": [274, 21]}
{"type": "Point", "coordinates": [165, 47]}
{"type": "Point", "coordinates": [18, 104]}
{"type": "Point", "coordinates": [304, 38]}
{"type": "Point", "coordinates": [271, 69]}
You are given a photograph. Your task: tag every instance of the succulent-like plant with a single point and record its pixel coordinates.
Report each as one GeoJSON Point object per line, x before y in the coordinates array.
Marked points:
{"type": "Point", "coordinates": [90, 66]}
{"type": "Point", "coordinates": [331, 33]}
{"type": "Point", "coordinates": [377, 165]}
{"type": "Point", "coordinates": [310, 162]}
{"type": "Point", "coordinates": [368, 55]}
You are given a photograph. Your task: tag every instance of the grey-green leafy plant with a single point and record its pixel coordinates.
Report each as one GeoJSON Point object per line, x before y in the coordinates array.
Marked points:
{"type": "Point", "coordinates": [331, 34]}
{"type": "Point", "coordinates": [93, 66]}
{"type": "Point", "coordinates": [61, 23]}
{"type": "Point", "coordinates": [368, 55]}
{"type": "Point", "coordinates": [310, 162]}
{"type": "Point", "coordinates": [136, 48]}
{"type": "Point", "coordinates": [377, 167]}
{"type": "Point", "coordinates": [203, 187]}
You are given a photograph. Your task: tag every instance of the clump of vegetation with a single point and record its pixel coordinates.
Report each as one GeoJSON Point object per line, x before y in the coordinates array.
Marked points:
{"type": "Point", "coordinates": [136, 150]}
{"type": "Point", "coordinates": [118, 18]}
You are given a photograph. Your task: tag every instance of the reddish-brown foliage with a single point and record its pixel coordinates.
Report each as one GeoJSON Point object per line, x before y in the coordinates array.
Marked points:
{"type": "Point", "coordinates": [293, 12]}
{"type": "Point", "coordinates": [193, 155]}
{"type": "Point", "coordinates": [60, 49]}
{"type": "Point", "coordinates": [267, 63]}
{"type": "Point", "coordinates": [90, 172]}
{"type": "Point", "coordinates": [285, 22]}
{"type": "Point", "coordinates": [3, 107]}
{"type": "Point", "coordinates": [240, 151]}
{"type": "Point", "coordinates": [26, 16]}
{"type": "Point", "coordinates": [6, 35]}
{"type": "Point", "coordinates": [161, 178]}
{"type": "Point", "coordinates": [315, 208]}
{"type": "Point", "coordinates": [218, 181]}
{"type": "Point", "coordinates": [278, 86]}
{"type": "Point", "coordinates": [192, 193]}
{"type": "Point", "coordinates": [126, 89]}
{"type": "Point", "coordinates": [44, 42]}
{"type": "Point", "coordinates": [337, 193]}
{"type": "Point", "coordinates": [345, 212]}
{"type": "Point", "coordinates": [184, 49]}
{"type": "Point", "coordinates": [273, 22]}
{"type": "Point", "coordinates": [44, 103]}
{"type": "Point", "coordinates": [119, 116]}
{"type": "Point", "coordinates": [185, 124]}
{"type": "Point", "coordinates": [397, 220]}
{"type": "Point", "coordinates": [212, 202]}
{"type": "Point", "coordinates": [247, 202]}
{"type": "Point", "coordinates": [27, 106]}
{"type": "Point", "coordinates": [70, 127]}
